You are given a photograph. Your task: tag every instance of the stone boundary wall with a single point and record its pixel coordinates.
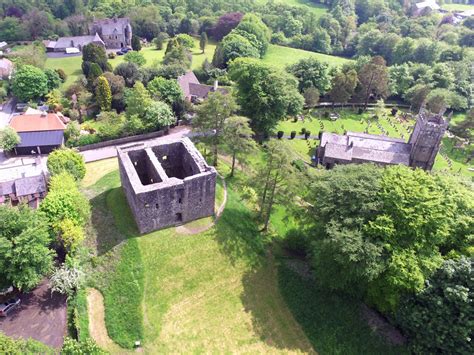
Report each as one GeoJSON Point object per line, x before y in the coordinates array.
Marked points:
{"type": "Point", "coordinates": [123, 140]}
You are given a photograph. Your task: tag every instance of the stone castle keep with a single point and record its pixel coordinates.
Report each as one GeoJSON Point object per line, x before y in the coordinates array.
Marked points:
{"type": "Point", "coordinates": [166, 183]}
{"type": "Point", "coordinates": [419, 152]}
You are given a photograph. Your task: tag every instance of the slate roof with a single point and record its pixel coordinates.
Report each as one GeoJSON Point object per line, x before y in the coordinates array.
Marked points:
{"type": "Point", "coordinates": [37, 122]}
{"type": "Point", "coordinates": [76, 41]}
{"type": "Point", "coordinates": [185, 80]}
{"type": "Point", "coordinates": [44, 138]}
{"type": "Point", "coordinates": [365, 147]}
{"type": "Point", "coordinates": [24, 186]}
{"type": "Point", "coordinates": [190, 86]}
{"type": "Point", "coordinates": [428, 3]}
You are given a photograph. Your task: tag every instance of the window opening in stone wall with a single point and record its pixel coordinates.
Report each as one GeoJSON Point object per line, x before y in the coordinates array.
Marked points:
{"type": "Point", "coordinates": [179, 217]}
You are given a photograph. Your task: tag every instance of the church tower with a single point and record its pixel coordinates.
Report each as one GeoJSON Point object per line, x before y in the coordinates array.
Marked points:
{"type": "Point", "coordinates": [426, 139]}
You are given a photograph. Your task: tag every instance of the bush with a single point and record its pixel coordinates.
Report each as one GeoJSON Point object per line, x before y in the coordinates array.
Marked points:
{"type": "Point", "coordinates": [74, 347]}
{"type": "Point", "coordinates": [112, 55]}
{"type": "Point", "coordinates": [303, 130]}
{"type": "Point", "coordinates": [394, 111]}
{"type": "Point", "coordinates": [307, 134]}
{"type": "Point", "coordinates": [326, 114]}
{"type": "Point", "coordinates": [293, 134]}
{"type": "Point", "coordinates": [9, 139]}
{"type": "Point", "coordinates": [280, 134]}
{"type": "Point", "coordinates": [67, 160]}
{"type": "Point", "coordinates": [20, 346]}
{"type": "Point", "coordinates": [62, 74]}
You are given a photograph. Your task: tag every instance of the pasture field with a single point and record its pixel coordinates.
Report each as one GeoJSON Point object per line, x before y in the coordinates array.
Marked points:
{"type": "Point", "coordinates": [457, 7]}
{"type": "Point", "coordinates": [317, 9]}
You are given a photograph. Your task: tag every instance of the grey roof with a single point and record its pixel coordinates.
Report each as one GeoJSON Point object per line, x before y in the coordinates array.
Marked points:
{"type": "Point", "coordinates": [68, 42]}
{"type": "Point", "coordinates": [201, 90]}
{"type": "Point", "coordinates": [30, 185]}
{"type": "Point", "coordinates": [366, 147]}
{"type": "Point", "coordinates": [24, 186]}
{"type": "Point", "coordinates": [40, 138]}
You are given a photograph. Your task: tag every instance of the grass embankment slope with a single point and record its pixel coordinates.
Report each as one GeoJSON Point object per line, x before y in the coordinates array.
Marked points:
{"type": "Point", "coordinates": [217, 291]}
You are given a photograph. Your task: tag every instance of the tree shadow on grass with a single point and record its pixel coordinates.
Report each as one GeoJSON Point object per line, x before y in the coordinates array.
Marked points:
{"type": "Point", "coordinates": [111, 221]}
{"type": "Point", "coordinates": [238, 236]}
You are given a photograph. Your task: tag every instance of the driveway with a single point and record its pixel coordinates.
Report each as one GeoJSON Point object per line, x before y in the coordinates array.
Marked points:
{"type": "Point", "coordinates": [110, 152]}
{"type": "Point", "coordinates": [41, 316]}
{"type": "Point", "coordinates": [6, 112]}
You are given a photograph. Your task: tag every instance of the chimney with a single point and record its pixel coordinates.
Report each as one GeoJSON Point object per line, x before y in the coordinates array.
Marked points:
{"type": "Point", "coordinates": [216, 84]}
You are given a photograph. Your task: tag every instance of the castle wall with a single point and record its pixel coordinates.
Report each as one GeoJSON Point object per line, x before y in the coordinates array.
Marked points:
{"type": "Point", "coordinates": [171, 201]}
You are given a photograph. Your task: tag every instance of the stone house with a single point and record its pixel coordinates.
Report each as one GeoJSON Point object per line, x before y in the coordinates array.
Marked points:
{"type": "Point", "coordinates": [116, 33]}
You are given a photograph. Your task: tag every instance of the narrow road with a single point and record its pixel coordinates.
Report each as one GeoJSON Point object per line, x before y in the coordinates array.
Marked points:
{"type": "Point", "coordinates": [110, 152]}
{"type": "Point", "coordinates": [6, 112]}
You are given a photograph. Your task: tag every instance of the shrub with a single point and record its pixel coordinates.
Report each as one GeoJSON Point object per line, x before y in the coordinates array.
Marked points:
{"type": "Point", "coordinates": [326, 114]}
{"type": "Point", "coordinates": [67, 160]}
{"type": "Point", "coordinates": [303, 130]}
{"type": "Point", "coordinates": [62, 74]}
{"type": "Point", "coordinates": [280, 134]}
{"type": "Point", "coordinates": [293, 134]}
{"type": "Point", "coordinates": [74, 347]}
{"type": "Point", "coordinates": [66, 280]}
{"type": "Point", "coordinates": [307, 134]}
{"type": "Point", "coordinates": [112, 55]}
{"type": "Point", "coordinates": [9, 139]}
{"type": "Point", "coordinates": [394, 111]}
{"type": "Point", "coordinates": [20, 346]}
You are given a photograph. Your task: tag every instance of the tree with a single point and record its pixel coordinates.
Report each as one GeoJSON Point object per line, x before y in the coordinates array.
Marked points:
{"type": "Point", "coordinates": [276, 179]}
{"type": "Point", "coordinates": [438, 320]}
{"type": "Point", "coordinates": [53, 79]}
{"type": "Point", "coordinates": [311, 72]}
{"type": "Point", "coordinates": [94, 53]}
{"type": "Point", "coordinates": [373, 80]}
{"type": "Point", "coordinates": [9, 139]}
{"type": "Point", "coordinates": [67, 160]}
{"type": "Point", "coordinates": [416, 95]}
{"type": "Point", "coordinates": [185, 40]}
{"type": "Point", "coordinates": [264, 93]}
{"type": "Point", "coordinates": [252, 24]}
{"type": "Point", "coordinates": [136, 44]}
{"type": "Point", "coordinates": [159, 40]}
{"type": "Point", "coordinates": [343, 86]}
{"type": "Point", "coordinates": [235, 46]}
{"type": "Point", "coordinates": [178, 55]}
{"type": "Point", "coordinates": [380, 233]}
{"type": "Point", "coordinates": [64, 201]}
{"type": "Point", "coordinates": [203, 41]}
{"type": "Point", "coordinates": [400, 79]}
{"type": "Point", "coordinates": [225, 24]}
{"type": "Point", "coordinates": [463, 128]}
{"type": "Point", "coordinates": [440, 99]}
{"type": "Point", "coordinates": [157, 115]}
{"type": "Point", "coordinates": [20, 346]}
{"type": "Point", "coordinates": [135, 57]}
{"type": "Point", "coordinates": [237, 137]}
{"type": "Point", "coordinates": [53, 100]}
{"type": "Point", "coordinates": [129, 72]}
{"type": "Point", "coordinates": [29, 83]}
{"type": "Point", "coordinates": [166, 90]}
{"type": "Point", "coordinates": [211, 117]}
{"type": "Point", "coordinates": [25, 256]}
{"type": "Point", "coordinates": [103, 94]}
{"type": "Point", "coordinates": [311, 96]}
{"type": "Point", "coordinates": [137, 99]}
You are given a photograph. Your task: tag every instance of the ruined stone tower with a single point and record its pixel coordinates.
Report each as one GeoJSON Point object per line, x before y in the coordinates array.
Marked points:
{"type": "Point", "coordinates": [426, 138]}
{"type": "Point", "coordinates": [166, 183]}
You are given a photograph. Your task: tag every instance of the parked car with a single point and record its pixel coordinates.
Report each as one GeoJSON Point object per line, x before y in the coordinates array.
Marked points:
{"type": "Point", "coordinates": [125, 50]}
{"type": "Point", "coordinates": [8, 306]}
{"type": "Point", "coordinates": [119, 53]}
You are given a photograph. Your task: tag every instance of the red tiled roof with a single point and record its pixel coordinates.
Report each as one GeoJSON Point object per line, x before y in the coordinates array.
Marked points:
{"type": "Point", "coordinates": [36, 122]}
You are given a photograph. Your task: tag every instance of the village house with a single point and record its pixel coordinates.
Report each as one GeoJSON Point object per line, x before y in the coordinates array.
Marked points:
{"type": "Point", "coordinates": [108, 33]}
{"type": "Point", "coordinates": [194, 91]}
{"type": "Point", "coordinates": [40, 132]}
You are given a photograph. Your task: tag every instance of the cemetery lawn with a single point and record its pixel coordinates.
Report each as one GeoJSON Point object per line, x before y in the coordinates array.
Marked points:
{"type": "Point", "coordinates": [351, 121]}
{"type": "Point", "coordinates": [72, 65]}
{"type": "Point", "coordinates": [225, 290]}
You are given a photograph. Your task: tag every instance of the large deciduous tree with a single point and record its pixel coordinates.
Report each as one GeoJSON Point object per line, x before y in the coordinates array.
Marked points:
{"type": "Point", "coordinates": [94, 53]}
{"type": "Point", "coordinates": [29, 83]}
{"type": "Point", "coordinates": [166, 90]}
{"type": "Point", "coordinates": [439, 319]}
{"type": "Point", "coordinates": [25, 256]}
{"type": "Point", "coordinates": [373, 80]}
{"type": "Point", "coordinates": [225, 24]}
{"type": "Point", "coordinates": [343, 86]}
{"type": "Point", "coordinates": [311, 72]}
{"type": "Point", "coordinates": [211, 118]}
{"type": "Point", "coordinates": [9, 139]}
{"type": "Point", "coordinates": [265, 94]}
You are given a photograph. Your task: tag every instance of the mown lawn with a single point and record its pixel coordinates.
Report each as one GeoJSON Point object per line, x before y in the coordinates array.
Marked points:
{"type": "Point", "coordinates": [282, 56]}
{"type": "Point", "coordinates": [72, 65]}
{"type": "Point", "coordinates": [317, 9]}
{"type": "Point", "coordinates": [216, 292]}
{"type": "Point", "coordinates": [457, 7]}
{"type": "Point", "coordinates": [351, 121]}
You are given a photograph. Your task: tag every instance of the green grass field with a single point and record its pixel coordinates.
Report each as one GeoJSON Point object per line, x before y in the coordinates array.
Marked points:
{"type": "Point", "coordinates": [351, 121]}
{"type": "Point", "coordinates": [282, 56]}
{"type": "Point", "coordinates": [317, 9]}
{"type": "Point", "coordinates": [72, 65]}
{"type": "Point", "coordinates": [457, 7]}
{"type": "Point", "coordinates": [220, 291]}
